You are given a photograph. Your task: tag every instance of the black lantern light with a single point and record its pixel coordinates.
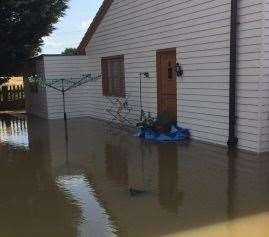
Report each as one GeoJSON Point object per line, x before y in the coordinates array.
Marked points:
{"type": "Point", "coordinates": [179, 70]}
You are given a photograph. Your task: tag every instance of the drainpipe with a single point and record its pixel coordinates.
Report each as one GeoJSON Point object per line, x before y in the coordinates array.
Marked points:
{"type": "Point", "coordinates": [233, 140]}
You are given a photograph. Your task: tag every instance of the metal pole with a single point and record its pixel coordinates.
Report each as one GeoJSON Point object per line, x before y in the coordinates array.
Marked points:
{"type": "Point", "coordinates": [140, 91]}
{"type": "Point", "coordinates": [63, 95]}
{"type": "Point", "coordinates": [233, 140]}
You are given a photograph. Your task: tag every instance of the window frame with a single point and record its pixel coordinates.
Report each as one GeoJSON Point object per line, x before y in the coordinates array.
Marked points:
{"type": "Point", "coordinates": [107, 91]}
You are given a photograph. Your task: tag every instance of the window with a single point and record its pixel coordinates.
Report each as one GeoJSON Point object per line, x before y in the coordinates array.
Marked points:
{"type": "Point", "coordinates": [113, 76]}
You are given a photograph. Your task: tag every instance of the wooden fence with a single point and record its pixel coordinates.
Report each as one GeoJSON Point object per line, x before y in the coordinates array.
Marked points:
{"type": "Point", "coordinates": [12, 98]}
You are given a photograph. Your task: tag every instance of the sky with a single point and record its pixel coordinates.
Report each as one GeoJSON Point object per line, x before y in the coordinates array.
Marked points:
{"type": "Point", "coordinates": [72, 27]}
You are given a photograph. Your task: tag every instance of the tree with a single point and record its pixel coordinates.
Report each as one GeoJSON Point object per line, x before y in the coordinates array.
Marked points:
{"type": "Point", "coordinates": [4, 80]}
{"type": "Point", "coordinates": [70, 51]}
{"type": "Point", "coordinates": [23, 24]}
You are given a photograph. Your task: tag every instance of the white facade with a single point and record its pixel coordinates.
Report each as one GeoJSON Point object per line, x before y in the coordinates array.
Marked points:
{"type": "Point", "coordinates": [200, 31]}
{"type": "Point", "coordinates": [47, 103]}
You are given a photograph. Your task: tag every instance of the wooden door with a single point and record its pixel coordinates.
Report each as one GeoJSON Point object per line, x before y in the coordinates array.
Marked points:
{"type": "Point", "coordinates": [166, 83]}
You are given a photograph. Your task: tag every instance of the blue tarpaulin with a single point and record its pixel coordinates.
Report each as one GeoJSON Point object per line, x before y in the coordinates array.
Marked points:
{"type": "Point", "coordinates": [176, 134]}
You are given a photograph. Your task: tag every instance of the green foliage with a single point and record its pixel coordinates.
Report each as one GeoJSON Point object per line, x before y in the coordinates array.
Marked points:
{"type": "Point", "coordinates": [23, 24]}
{"type": "Point", "coordinates": [147, 121]}
{"type": "Point", "coordinates": [160, 124]}
{"type": "Point", "coordinates": [70, 51]}
{"type": "Point", "coordinates": [34, 83]}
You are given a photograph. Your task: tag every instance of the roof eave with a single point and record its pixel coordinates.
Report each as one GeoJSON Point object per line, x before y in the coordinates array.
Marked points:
{"type": "Point", "coordinates": [93, 27]}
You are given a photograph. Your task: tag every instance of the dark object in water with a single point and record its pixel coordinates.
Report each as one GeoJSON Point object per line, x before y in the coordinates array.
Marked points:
{"type": "Point", "coordinates": [135, 192]}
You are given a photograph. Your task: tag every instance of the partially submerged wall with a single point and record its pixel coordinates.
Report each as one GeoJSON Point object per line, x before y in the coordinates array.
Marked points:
{"type": "Point", "coordinates": [264, 83]}
{"type": "Point", "coordinates": [46, 102]}
{"type": "Point", "coordinates": [77, 100]}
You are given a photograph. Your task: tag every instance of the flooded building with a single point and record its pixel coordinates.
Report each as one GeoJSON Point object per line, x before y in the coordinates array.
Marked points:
{"type": "Point", "coordinates": [203, 63]}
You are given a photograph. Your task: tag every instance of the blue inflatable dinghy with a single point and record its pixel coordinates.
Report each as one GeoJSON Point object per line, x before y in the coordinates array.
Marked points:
{"type": "Point", "coordinates": [176, 134]}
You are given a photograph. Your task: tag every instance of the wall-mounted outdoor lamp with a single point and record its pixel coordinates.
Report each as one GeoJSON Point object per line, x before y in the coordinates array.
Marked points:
{"type": "Point", "coordinates": [145, 74]}
{"type": "Point", "coordinates": [179, 70]}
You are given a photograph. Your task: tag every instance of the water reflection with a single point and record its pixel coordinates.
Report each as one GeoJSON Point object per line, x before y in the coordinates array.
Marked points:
{"type": "Point", "coordinates": [169, 195]}
{"type": "Point", "coordinates": [31, 203]}
{"type": "Point", "coordinates": [117, 167]}
{"type": "Point", "coordinates": [99, 184]}
{"type": "Point", "coordinates": [94, 220]}
{"type": "Point", "coordinates": [13, 130]}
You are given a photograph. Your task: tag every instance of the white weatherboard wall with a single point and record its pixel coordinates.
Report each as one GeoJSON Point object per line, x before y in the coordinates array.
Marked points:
{"type": "Point", "coordinates": [249, 73]}
{"type": "Point", "coordinates": [66, 67]}
{"type": "Point", "coordinates": [264, 84]}
{"type": "Point", "coordinates": [47, 103]}
{"type": "Point", "coordinates": [200, 30]}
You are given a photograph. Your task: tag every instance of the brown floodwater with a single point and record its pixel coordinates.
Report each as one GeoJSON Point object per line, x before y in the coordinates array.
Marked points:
{"type": "Point", "coordinates": [105, 182]}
